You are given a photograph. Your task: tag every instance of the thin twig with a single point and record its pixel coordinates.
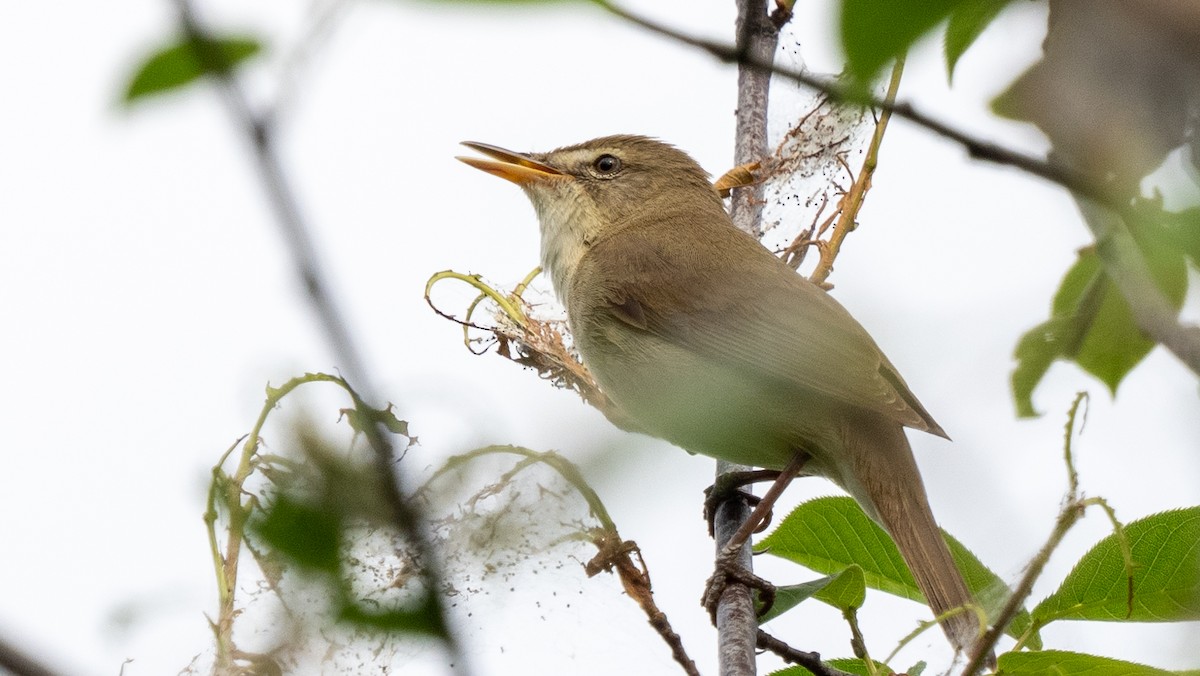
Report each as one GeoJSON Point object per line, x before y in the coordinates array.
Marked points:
{"type": "Point", "coordinates": [859, 642]}
{"type": "Point", "coordinates": [840, 92]}
{"type": "Point", "coordinates": [763, 509]}
{"type": "Point", "coordinates": [852, 201]}
{"type": "Point", "coordinates": [810, 661]}
{"type": "Point", "coordinates": [306, 262]}
{"type": "Point", "coordinates": [1070, 514]}
{"type": "Point", "coordinates": [615, 553]}
{"type": "Point", "coordinates": [1073, 509]}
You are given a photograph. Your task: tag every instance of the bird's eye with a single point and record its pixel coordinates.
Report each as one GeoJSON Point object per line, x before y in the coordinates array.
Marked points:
{"type": "Point", "coordinates": [607, 164]}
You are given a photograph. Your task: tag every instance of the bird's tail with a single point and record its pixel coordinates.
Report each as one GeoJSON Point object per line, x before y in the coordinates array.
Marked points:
{"type": "Point", "coordinates": [883, 466]}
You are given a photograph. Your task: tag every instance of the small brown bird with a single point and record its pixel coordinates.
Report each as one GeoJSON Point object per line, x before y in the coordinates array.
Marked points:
{"type": "Point", "coordinates": [704, 338]}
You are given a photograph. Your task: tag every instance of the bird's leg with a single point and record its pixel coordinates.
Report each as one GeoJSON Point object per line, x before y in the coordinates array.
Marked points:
{"type": "Point", "coordinates": [726, 485]}
{"type": "Point", "coordinates": [726, 566]}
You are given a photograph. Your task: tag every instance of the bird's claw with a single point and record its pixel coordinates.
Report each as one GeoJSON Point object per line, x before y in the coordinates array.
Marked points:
{"type": "Point", "coordinates": [728, 484]}
{"type": "Point", "coordinates": [728, 569]}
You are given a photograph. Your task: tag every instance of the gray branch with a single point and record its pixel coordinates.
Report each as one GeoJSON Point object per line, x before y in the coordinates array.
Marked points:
{"type": "Point", "coordinates": [737, 621]}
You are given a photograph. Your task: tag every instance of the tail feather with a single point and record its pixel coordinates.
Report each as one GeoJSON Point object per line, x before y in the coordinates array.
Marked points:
{"type": "Point", "coordinates": [893, 494]}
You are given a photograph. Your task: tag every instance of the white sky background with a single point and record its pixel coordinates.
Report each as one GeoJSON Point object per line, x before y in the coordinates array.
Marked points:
{"type": "Point", "coordinates": [147, 301]}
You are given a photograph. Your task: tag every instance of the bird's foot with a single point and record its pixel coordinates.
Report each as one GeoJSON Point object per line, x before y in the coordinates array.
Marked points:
{"type": "Point", "coordinates": [727, 569]}
{"type": "Point", "coordinates": [728, 484]}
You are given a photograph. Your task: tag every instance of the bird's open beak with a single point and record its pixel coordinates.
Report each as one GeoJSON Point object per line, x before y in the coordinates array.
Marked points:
{"type": "Point", "coordinates": [515, 167]}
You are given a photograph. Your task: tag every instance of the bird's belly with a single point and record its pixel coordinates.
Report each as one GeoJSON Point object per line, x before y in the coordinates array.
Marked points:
{"type": "Point", "coordinates": [701, 405]}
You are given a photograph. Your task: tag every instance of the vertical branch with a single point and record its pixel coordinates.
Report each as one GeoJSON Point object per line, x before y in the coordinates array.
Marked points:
{"type": "Point", "coordinates": [737, 622]}
{"type": "Point", "coordinates": [750, 141]}
{"type": "Point", "coordinates": [307, 264]}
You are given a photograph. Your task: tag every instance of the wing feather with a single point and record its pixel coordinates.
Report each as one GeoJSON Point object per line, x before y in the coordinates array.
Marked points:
{"type": "Point", "coordinates": [771, 323]}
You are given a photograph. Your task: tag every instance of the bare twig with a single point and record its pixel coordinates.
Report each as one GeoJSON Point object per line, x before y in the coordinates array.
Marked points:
{"type": "Point", "coordinates": [1072, 511]}
{"type": "Point", "coordinates": [810, 661]}
{"type": "Point", "coordinates": [614, 552]}
{"type": "Point", "coordinates": [838, 91]}
{"type": "Point", "coordinates": [852, 200]}
{"type": "Point", "coordinates": [762, 511]}
{"type": "Point", "coordinates": [529, 341]}
{"type": "Point", "coordinates": [306, 262]}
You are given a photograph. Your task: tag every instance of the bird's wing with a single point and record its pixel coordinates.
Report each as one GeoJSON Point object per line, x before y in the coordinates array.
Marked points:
{"type": "Point", "coordinates": [695, 289]}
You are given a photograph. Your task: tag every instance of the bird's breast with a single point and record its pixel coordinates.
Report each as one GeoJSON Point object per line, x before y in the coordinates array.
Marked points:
{"type": "Point", "coordinates": [687, 399]}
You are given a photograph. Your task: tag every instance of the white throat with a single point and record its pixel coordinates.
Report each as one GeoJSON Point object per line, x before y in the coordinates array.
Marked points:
{"type": "Point", "coordinates": [565, 236]}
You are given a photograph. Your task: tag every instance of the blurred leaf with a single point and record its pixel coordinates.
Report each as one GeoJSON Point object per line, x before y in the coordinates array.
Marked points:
{"type": "Point", "coordinates": [422, 619]}
{"type": "Point", "coordinates": [875, 32]}
{"type": "Point", "coordinates": [1063, 663]}
{"type": "Point", "coordinates": [1114, 344]}
{"type": "Point", "coordinates": [1103, 338]}
{"type": "Point", "coordinates": [1183, 230]}
{"type": "Point", "coordinates": [178, 64]}
{"type": "Point", "coordinates": [967, 22]}
{"type": "Point", "coordinates": [1036, 351]}
{"type": "Point", "coordinates": [850, 665]}
{"type": "Point", "coordinates": [1091, 323]}
{"type": "Point", "coordinates": [307, 535]}
{"type": "Point", "coordinates": [1113, 112]}
{"type": "Point", "coordinates": [828, 535]}
{"type": "Point", "coordinates": [1166, 575]}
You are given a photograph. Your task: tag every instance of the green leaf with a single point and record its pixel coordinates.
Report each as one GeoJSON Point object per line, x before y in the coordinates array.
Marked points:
{"type": "Point", "coordinates": [828, 535]}
{"type": "Point", "coordinates": [875, 32]}
{"type": "Point", "coordinates": [1090, 321]}
{"type": "Point", "coordinates": [309, 536]}
{"type": "Point", "coordinates": [179, 64]}
{"type": "Point", "coordinates": [967, 22]}
{"type": "Point", "coordinates": [850, 665]}
{"type": "Point", "coordinates": [847, 591]}
{"type": "Point", "coordinates": [360, 419]}
{"type": "Point", "coordinates": [1166, 575]}
{"type": "Point", "coordinates": [1114, 344]}
{"type": "Point", "coordinates": [790, 596]}
{"type": "Point", "coordinates": [843, 591]}
{"type": "Point", "coordinates": [1036, 351]}
{"type": "Point", "coordinates": [1183, 232]}
{"type": "Point", "coordinates": [1063, 663]}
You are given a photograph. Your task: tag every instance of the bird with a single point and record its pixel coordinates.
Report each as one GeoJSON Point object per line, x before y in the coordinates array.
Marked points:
{"type": "Point", "coordinates": [704, 338]}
